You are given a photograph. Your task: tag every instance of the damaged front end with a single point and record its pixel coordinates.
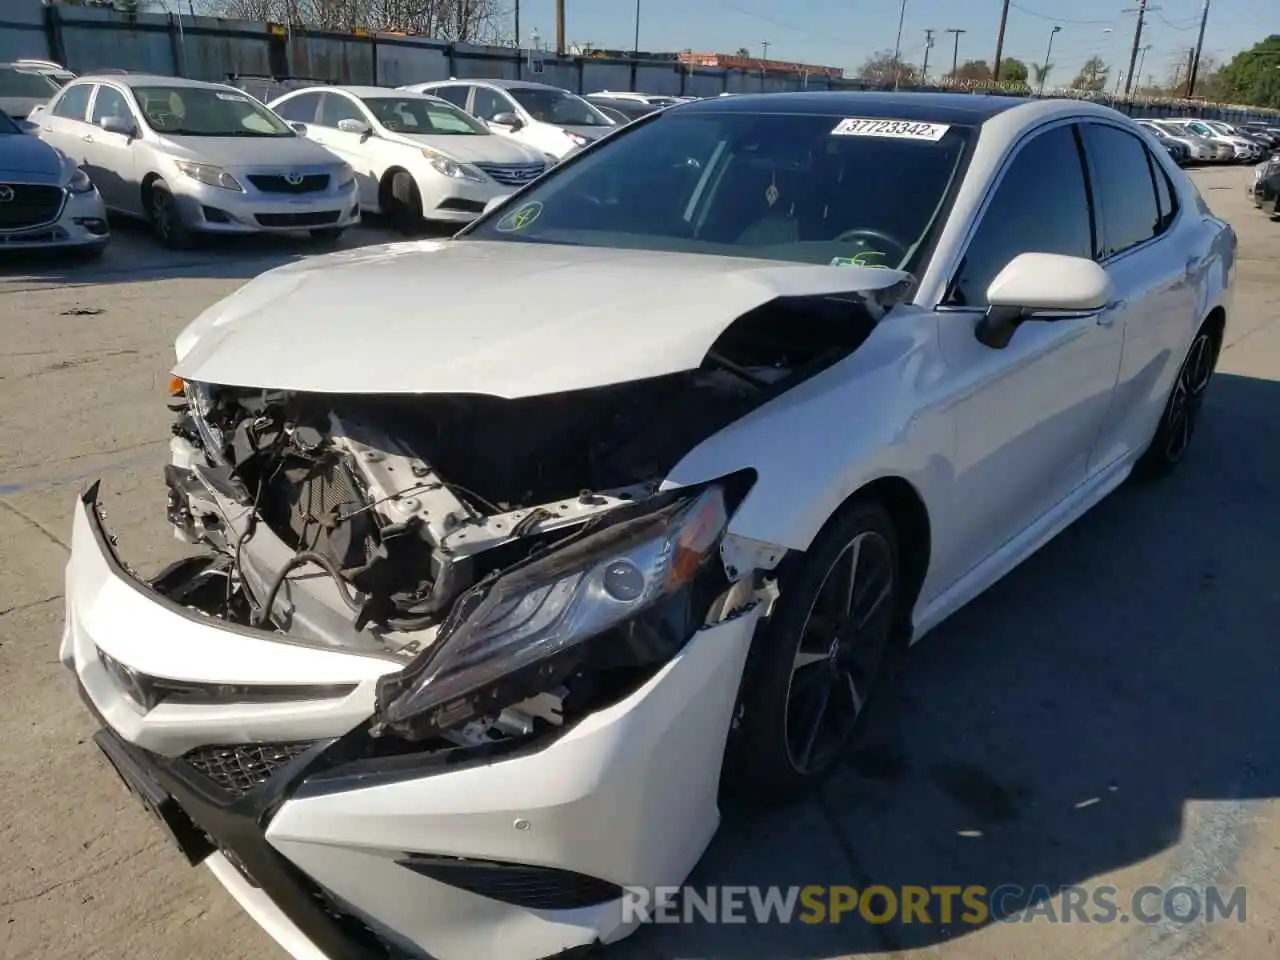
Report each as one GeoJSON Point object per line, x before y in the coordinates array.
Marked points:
{"type": "Point", "coordinates": [516, 555]}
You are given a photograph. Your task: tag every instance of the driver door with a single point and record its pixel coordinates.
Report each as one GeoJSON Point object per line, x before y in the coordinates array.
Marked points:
{"type": "Point", "coordinates": [1026, 415]}
{"type": "Point", "coordinates": [355, 149]}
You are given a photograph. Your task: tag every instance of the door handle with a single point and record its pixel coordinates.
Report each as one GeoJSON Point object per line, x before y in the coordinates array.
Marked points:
{"type": "Point", "coordinates": [87, 138]}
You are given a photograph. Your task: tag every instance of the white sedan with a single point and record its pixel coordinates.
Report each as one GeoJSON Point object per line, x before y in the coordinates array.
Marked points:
{"type": "Point", "coordinates": [506, 583]}
{"type": "Point", "coordinates": [415, 156]}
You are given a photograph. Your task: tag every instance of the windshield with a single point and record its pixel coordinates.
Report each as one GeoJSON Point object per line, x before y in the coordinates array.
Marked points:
{"type": "Point", "coordinates": [25, 84]}
{"type": "Point", "coordinates": [774, 186]}
{"type": "Point", "coordinates": [7, 126]}
{"type": "Point", "coordinates": [207, 112]}
{"type": "Point", "coordinates": [1201, 129]}
{"type": "Point", "coordinates": [559, 107]}
{"type": "Point", "coordinates": [416, 115]}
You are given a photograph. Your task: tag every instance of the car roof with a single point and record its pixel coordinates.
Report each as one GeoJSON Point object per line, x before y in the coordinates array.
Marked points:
{"type": "Point", "coordinates": [958, 109]}
{"type": "Point", "coordinates": [505, 84]}
{"type": "Point", "coordinates": [156, 80]}
{"type": "Point", "coordinates": [362, 91]}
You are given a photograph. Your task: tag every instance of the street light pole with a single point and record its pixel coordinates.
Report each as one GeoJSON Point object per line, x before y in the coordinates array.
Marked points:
{"type": "Point", "coordinates": [764, 56]}
{"type": "Point", "coordinates": [635, 47]}
{"type": "Point", "coordinates": [1045, 72]}
{"type": "Point", "coordinates": [897, 46]}
{"type": "Point", "coordinates": [955, 51]}
{"type": "Point", "coordinates": [1142, 57]}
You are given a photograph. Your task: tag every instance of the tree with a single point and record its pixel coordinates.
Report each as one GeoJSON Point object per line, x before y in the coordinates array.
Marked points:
{"type": "Point", "coordinates": [742, 52]}
{"type": "Point", "coordinates": [879, 68]}
{"type": "Point", "coordinates": [1013, 72]}
{"type": "Point", "coordinates": [1252, 77]}
{"type": "Point", "coordinates": [1092, 76]}
{"type": "Point", "coordinates": [976, 70]}
{"type": "Point", "coordinates": [1041, 73]}
{"type": "Point", "coordinates": [475, 21]}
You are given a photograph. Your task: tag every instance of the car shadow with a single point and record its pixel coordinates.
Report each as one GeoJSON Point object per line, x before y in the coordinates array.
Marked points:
{"type": "Point", "coordinates": [1056, 729]}
{"type": "Point", "coordinates": [133, 256]}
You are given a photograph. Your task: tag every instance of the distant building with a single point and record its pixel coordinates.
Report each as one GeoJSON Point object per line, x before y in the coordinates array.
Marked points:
{"type": "Point", "coordinates": [731, 62]}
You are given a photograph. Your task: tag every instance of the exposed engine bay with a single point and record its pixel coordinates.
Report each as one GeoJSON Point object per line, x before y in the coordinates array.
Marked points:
{"type": "Point", "coordinates": [359, 521]}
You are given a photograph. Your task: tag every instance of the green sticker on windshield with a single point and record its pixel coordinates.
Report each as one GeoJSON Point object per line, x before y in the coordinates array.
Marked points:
{"type": "Point", "coordinates": [867, 258]}
{"type": "Point", "coordinates": [521, 217]}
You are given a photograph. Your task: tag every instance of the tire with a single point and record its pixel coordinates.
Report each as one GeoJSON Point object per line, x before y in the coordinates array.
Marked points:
{"type": "Point", "coordinates": [790, 734]}
{"type": "Point", "coordinates": [165, 219]}
{"type": "Point", "coordinates": [328, 235]}
{"type": "Point", "coordinates": [1177, 424]}
{"type": "Point", "coordinates": [405, 204]}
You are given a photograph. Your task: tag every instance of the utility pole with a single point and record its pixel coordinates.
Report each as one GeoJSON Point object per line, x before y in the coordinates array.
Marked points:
{"type": "Point", "coordinates": [1004, 18]}
{"type": "Point", "coordinates": [764, 56]}
{"type": "Point", "coordinates": [1192, 74]}
{"type": "Point", "coordinates": [897, 45]}
{"type": "Point", "coordinates": [517, 24]}
{"type": "Point", "coordinates": [1142, 9]}
{"type": "Point", "coordinates": [928, 45]}
{"type": "Point", "coordinates": [955, 51]}
{"type": "Point", "coordinates": [559, 28]}
{"type": "Point", "coordinates": [1141, 60]}
{"type": "Point", "coordinates": [635, 46]}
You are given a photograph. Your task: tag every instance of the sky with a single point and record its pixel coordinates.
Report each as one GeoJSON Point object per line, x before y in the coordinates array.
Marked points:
{"type": "Point", "coordinates": [843, 33]}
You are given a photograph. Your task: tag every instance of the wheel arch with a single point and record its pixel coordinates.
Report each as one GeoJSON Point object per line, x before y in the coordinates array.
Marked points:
{"type": "Point", "coordinates": [148, 182]}
{"type": "Point", "coordinates": [384, 184]}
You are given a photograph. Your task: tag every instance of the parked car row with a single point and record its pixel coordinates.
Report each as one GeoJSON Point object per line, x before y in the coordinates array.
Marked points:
{"type": "Point", "coordinates": [1211, 141]}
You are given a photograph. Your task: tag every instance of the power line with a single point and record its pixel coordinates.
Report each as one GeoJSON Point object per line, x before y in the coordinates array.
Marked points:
{"type": "Point", "coordinates": [1055, 19]}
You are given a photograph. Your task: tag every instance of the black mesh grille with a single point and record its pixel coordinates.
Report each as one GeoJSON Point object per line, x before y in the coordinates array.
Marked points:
{"type": "Point", "coordinates": [535, 888]}
{"type": "Point", "coordinates": [25, 205]}
{"type": "Point", "coordinates": [311, 183]}
{"type": "Point", "coordinates": [299, 219]}
{"type": "Point", "coordinates": [241, 768]}
{"type": "Point", "coordinates": [314, 501]}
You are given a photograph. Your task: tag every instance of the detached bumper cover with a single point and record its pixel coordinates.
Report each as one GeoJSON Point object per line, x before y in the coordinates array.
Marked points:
{"type": "Point", "coordinates": [459, 855]}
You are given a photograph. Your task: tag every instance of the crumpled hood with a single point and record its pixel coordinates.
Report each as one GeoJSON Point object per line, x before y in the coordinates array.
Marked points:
{"type": "Point", "coordinates": [24, 154]}
{"type": "Point", "coordinates": [507, 319]}
{"type": "Point", "coordinates": [243, 152]}
{"type": "Point", "coordinates": [489, 148]}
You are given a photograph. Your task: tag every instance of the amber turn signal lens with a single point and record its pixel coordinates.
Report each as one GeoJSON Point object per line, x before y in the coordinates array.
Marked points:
{"type": "Point", "coordinates": [177, 386]}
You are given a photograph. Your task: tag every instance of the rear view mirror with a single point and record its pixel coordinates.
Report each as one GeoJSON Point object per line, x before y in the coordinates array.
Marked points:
{"type": "Point", "coordinates": [299, 128]}
{"type": "Point", "coordinates": [1034, 284]}
{"type": "Point", "coordinates": [355, 126]}
{"type": "Point", "coordinates": [509, 120]}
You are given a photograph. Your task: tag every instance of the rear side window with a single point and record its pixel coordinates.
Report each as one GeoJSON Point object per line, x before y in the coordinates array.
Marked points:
{"type": "Point", "coordinates": [74, 102]}
{"type": "Point", "coordinates": [1166, 195]}
{"type": "Point", "coordinates": [455, 94]}
{"type": "Point", "coordinates": [336, 109]}
{"type": "Point", "coordinates": [1124, 186]}
{"type": "Point", "coordinates": [1040, 206]}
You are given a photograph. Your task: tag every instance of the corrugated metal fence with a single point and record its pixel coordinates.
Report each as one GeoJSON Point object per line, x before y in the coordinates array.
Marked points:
{"type": "Point", "coordinates": [210, 48]}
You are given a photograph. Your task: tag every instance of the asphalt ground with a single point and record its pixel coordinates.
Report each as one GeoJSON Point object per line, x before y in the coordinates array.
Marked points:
{"type": "Point", "coordinates": [1106, 715]}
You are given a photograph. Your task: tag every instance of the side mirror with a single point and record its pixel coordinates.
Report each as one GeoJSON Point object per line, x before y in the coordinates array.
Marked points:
{"type": "Point", "coordinates": [121, 125]}
{"type": "Point", "coordinates": [495, 202]}
{"type": "Point", "coordinates": [299, 128]}
{"type": "Point", "coordinates": [355, 126]}
{"type": "Point", "coordinates": [1034, 284]}
{"type": "Point", "coordinates": [509, 120]}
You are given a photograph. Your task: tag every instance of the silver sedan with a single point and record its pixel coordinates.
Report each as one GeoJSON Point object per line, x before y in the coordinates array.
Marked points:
{"type": "Point", "coordinates": [194, 157]}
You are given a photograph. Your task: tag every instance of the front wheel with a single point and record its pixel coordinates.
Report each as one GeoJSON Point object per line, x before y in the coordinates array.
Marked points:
{"type": "Point", "coordinates": [406, 204]}
{"type": "Point", "coordinates": [1182, 410]}
{"type": "Point", "coordinates": [166, 219]}
{"type": "Point", "coordinates": [814, 667]}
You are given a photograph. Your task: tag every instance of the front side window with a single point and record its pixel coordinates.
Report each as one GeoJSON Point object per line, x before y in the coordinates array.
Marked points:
{"type": "Point", "coordinates": [416, 115]}
{"type": "Point", "coordinates": [488, 104]}
{"type": "Point", "coordinates": [207, 112]}
{"type": "Point", "coordinates": [25, 84]}
{"type": "Point", "coordinates": [74, 102]}
{"type": "Point", "coordinates": [559, 107]}
{"type": "Point", "coordinates": [110, 102]}
{"type": "Point", "coordinates": [774, 186]}
{"type": "Point", "coordinates": [1041, 205]}
{"type": "Point", "coordinates": [455, 93]}
{"type": "Point", "coordinates": [300, 109]}
{"type": "Point", "coordinates": [337, 108]}
{"type": "Point", "coordinates": [1124, 186]}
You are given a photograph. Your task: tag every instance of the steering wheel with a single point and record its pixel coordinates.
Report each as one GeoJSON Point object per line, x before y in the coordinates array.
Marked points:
{"type": "Point", "coordinates": [880, 241]}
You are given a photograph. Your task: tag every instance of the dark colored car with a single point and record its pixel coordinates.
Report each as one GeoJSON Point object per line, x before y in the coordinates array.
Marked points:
{"type": "Point", "coordinates": [1178, 150]}
{"type": "Point", "coordinates": [1266, 185]}
{"type": "Point", "coordinates": [628, 109]}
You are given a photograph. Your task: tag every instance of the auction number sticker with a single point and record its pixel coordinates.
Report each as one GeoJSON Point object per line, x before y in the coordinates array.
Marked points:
{"type": "Point", "coordinates": [891, 129]}
{"type": "Point", "coordinates": [521, 217]}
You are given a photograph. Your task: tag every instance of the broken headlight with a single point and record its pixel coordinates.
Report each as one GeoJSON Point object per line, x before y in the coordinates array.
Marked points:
{"type": "Point", "coordinates": [528, 616]}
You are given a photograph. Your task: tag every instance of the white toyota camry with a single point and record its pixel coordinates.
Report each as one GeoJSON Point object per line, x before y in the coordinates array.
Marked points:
{"type": "Point", "coordinates": [501, 587]}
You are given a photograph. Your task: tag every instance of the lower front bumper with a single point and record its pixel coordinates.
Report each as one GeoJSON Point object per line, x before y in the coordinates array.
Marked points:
{"type": "Point", "coordinates": [460, 854]}
{"type": "Point", "coordinates": [220, 211]}
{"type": "Point", "coordinates": [81, 225]}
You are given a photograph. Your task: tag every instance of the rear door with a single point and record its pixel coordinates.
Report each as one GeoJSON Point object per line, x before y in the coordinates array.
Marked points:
{"type": "Point", "coordinates": [1155, 270]}
{"type": "Point", "coordinates": [65, 123]}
